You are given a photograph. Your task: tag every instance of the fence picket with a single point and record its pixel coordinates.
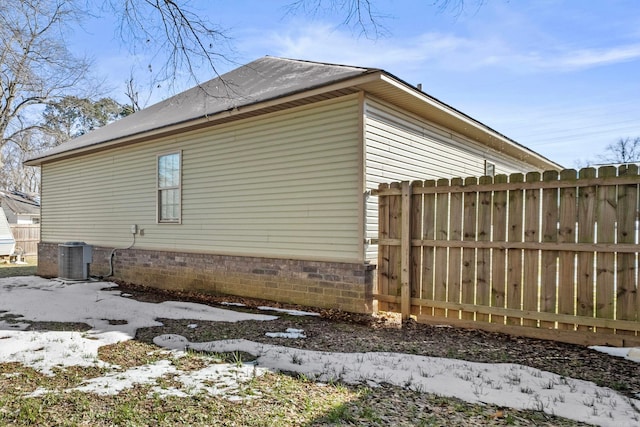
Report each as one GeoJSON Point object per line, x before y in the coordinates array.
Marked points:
{"type": "Point", "coordinates": [531, 257]}
{"type": "Point", "coordinates": [416, 252]}
{"type": "Point", "coordinates": [405, 251]}
{"type": "Point", "coordinates": [395, 232]}
{"type": "Point", "coordinates": [468, 279]}
{"type": "Point", "coordinates": [605, 262]}
{"type": "Point", "coordinates": [428, 252]}
{"type": "Point", "coordinates": [483, 261]}
{"type": "Point", "coordinates": [566, 234]}
{"type": "Point", "coordinates": [455, 254]}
{"type": "Point", "coordinates": [514, 256]}
{"type": "Point", "coordinates": [440, 264]}
{"type": "Point", "coordinates": [549, 268]}
{"type": "Point", "coordinates": [383, 250]}
{"type": "Point", "coordinates": [499, 256]}
{"type": "Point", "coordinates": [586, 234]}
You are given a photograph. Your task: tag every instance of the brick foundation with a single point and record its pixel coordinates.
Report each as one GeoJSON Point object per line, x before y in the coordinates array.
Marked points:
{"type": "Point", "coordinates": [344, 286]}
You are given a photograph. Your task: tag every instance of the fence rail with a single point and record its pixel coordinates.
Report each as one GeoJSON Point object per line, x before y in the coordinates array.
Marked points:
{"type": "Point", "coordinates": [27, 237]}
{"type": "Point", "coordinates": [554, 251]}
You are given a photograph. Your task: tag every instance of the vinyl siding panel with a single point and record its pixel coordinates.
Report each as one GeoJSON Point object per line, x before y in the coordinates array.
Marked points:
{"type": "Point", "coordinates": [284, 185]}
{"type": "Point", "coordinates": [401, 147]}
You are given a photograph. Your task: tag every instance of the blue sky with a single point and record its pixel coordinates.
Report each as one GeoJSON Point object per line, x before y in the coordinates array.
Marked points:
{"type": "Point", "coordinates": [559, 76]}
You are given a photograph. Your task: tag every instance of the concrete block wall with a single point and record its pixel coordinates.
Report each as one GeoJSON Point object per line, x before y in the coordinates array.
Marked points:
{"type": "Point", "coordinates": [343, 286]}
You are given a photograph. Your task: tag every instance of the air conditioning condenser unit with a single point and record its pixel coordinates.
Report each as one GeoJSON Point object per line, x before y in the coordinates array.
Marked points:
{"type": "Point", "coordinates": [73, 260]}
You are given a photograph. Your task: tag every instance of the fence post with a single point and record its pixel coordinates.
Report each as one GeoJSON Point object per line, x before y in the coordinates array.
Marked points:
{"type": "Point", "coordinates": [405, 252]}
{"type": "Point", "coordinates": [382, 284]}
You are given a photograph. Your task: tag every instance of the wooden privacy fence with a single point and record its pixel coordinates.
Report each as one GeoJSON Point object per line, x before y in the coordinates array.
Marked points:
{"type": "Point", "coordinates": [556, 252]}
{"type": "Point", "coordinates": [27, 237]}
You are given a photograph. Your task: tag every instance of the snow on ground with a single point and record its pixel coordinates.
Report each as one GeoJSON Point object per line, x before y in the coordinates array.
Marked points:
{"type": "Point", "coordinates": [288, 311]}
{"type": "Point", "coordinates": [289, 333]}
{"type": "Point", "coordinates": [114, 317]}
{"type": "Point", "coordinates": [632, 354]}
{"type": "Point", "coordinates": [45, 350]}
{"type": "Point", "coordinates": [38, 299]}
{"type": "Point", "coordinates": [504, 384]}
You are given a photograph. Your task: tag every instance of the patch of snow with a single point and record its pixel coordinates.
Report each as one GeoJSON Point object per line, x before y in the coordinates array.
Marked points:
{"type": "Point", "coordinates": [223, 380]}
{"type": "Point", "coordinates": [11, 375]}
{"type": "Point", "coordinates": [171, 342]}
{"type": "Point", "coordinates": [45, 350]}
{"type": "Point", "coordinates": [290, 333]}
{"type": "Point", "coordinates": [116, 382]}
{"type": "Point", "coordinates": [629, 353]}
{"type": "Point", "coordinates": [503, 384]}
{"type": "Point", "coordinates": [36, 299]}
{"type": "Point", "coordinates": [125, 295]}
{"type": "Point", "coordinates": [234, 304]}
{"type": "Point", "coordinates": [38, 392]}
{"type": "Point", "coordinates": [288, 311]}
{"type": "Point", "coordinates": [192, 326]}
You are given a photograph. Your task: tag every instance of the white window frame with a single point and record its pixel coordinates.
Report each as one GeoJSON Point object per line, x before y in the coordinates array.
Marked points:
{"type": "Point", "coordinates": [489, 168]}
{"type": "Point", "coordinates": [159, 189]}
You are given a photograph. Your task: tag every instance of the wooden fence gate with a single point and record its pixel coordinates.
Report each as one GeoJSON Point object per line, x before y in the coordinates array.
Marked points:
{"type": "Point", "coordinates": [551, 256]}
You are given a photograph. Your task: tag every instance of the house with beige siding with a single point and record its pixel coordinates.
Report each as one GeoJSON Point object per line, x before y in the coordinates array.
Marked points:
{"type": "Point", "coordinates": [257, 183]}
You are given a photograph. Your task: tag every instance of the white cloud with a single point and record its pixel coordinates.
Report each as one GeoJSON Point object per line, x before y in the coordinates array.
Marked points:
{"type": "Point", "coordinates": [442, 50]}
{"type": "Point", "coordinates": [325, 43]}
{"type": "Point", "coordinates": [588, 58]}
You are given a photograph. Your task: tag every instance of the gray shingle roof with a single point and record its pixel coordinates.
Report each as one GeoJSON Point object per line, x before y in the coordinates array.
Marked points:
{"type": "Point", "coordinates": [261, 80]}
{"type": "Point", "coordinates": [270, 83]}
{"type": "Point", "coordinates": [19, 203]}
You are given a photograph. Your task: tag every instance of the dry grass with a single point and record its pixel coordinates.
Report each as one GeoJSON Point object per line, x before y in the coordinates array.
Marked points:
{"type": "Point", "coordinates": [270, 400]}
{"type": "Point", "coordinates": [11, 269]}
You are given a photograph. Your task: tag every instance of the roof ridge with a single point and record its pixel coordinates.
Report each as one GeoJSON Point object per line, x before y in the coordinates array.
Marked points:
{"type": "Point", "coordinates": [331, 64]}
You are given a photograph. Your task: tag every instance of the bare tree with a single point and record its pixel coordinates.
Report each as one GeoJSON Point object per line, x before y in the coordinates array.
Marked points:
{"type": "Point", "coordinates": [35, 64]}
{"type": "Point", "coordinates": [175, 35]}
{"type": "Point", "coordinates": [365, 16]}
{"type": "Point", "coordinates": [457, 7]}
{"type": "Point", "coordinates": [359, 14]}
{"type": "Point", "coordinates": [133, 95]}
{"type": "Point", "coordinates": [179, 39]}
{"type": "Point", "coordinates": [624, 150]}
{"type": "Point", "coordinates": [14, 175]}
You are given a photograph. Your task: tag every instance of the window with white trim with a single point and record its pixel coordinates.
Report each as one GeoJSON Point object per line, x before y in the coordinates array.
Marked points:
{"type": "Point", "coordinates": [169, 187]}
{"type": "Point", "coordinates": [489, 169]}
